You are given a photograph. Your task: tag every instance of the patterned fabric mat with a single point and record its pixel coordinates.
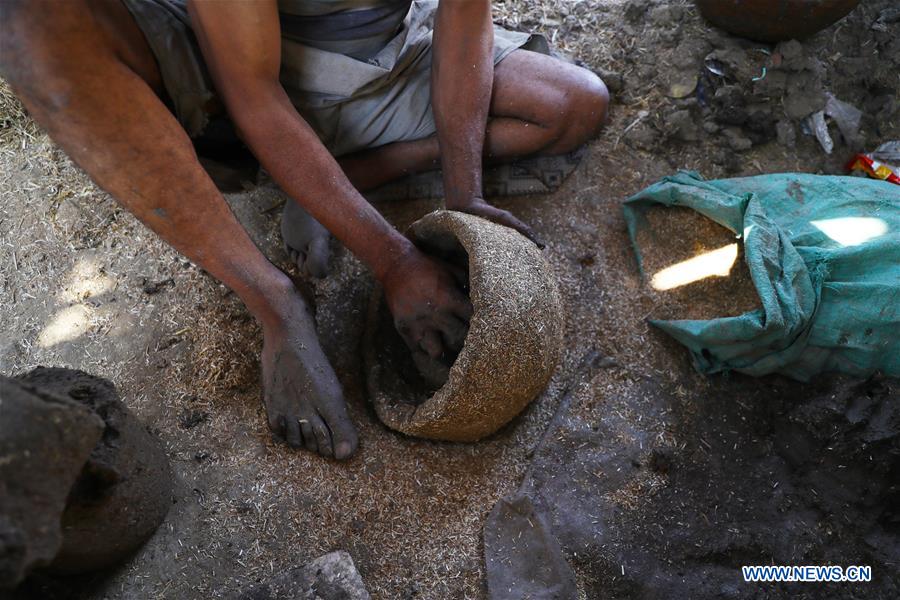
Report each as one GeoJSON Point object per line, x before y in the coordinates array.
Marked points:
{"type": "Point", "coordinates": [537, 175]}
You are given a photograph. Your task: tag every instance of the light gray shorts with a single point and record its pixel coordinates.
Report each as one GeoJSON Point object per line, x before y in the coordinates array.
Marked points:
{"type": "Point", "coordinates": [352, 103]}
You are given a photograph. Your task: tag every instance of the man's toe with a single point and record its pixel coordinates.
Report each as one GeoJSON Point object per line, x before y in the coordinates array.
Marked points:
{"type": "Point", "coordinates": [344, 438]}
{"type": "Point", "coordinates": [309, 438]}
{"type": "Point", "coordinates": [301, 259]}
{"type": "Point", "coordinates": [317, 257]}
{"type": "Point", "coordinates": [322, 437]}
{"type": "Point", "coordinates": [292, 433]}
{"type": "Point", "coordinates": [344, 449]}
{"type": "Point", "coordinates": [276, 426]}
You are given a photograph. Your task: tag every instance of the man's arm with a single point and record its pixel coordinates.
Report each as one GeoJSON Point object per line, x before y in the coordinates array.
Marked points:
{"type": "Point", "coordinates": [241, 43]}
{"type": "Point", "coordinates": [462, 77]}
{"type": "Point", "coordinates": [242, 46]}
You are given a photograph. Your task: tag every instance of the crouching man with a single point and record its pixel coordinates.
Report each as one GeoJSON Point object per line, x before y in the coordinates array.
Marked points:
{"type": "Point", "coordinates": [333, 97]}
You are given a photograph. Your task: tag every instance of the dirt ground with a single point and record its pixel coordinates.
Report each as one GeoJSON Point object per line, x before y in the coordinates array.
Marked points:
{"type": "Point", "coordinates": [84, 285]}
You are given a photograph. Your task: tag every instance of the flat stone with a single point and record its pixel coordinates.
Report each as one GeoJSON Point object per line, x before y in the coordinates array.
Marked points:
{"type": "Point", "coordinates": [787, 133]}
{"type": "Point", "coordinates": [332, 576]}
{"type": "Point", "coordinates": [682, 85]}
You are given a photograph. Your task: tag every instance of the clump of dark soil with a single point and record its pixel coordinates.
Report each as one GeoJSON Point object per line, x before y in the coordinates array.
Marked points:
{"type": "Point", "coordinates": [837, 92]}
{"type": "Point", "coordinates": [805, 475]}
{"type": "Point", "coordinates": [746, 472]}
{"type": "Point", "coordinates": [45, 441]}
{"type": "Point", "coordinates": [124, 490]}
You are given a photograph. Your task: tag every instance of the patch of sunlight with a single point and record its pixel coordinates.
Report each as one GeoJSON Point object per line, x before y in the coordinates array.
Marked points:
{"type": "Point", "coordinates": [713, 263]}
{"type": "Point", "coordinates": [852, 231]}
{"type": "Point", "coordinates": [68, 324]}
{"type": "Point", "coordinates": [86, 280]}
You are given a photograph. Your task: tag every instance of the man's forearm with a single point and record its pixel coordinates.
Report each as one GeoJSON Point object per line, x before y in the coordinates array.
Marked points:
{"type": "Point", "coordinates": [292, 153]}
{"type": "Point", "coordinates": [461, 81]}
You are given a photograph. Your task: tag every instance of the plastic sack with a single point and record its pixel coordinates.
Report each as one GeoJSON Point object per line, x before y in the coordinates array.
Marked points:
{"type": "Point", "coordinates": [824, 256]}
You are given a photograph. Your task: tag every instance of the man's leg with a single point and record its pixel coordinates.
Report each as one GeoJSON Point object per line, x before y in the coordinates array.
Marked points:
{"type": "Point", "coordinates": [540, 105]}
{"type": "Point", "coordinates": [84, 84]}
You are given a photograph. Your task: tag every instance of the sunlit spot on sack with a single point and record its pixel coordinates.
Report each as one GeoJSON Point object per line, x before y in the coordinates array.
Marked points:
{"type": "Point", "coordinates": [852, 231]}
{"type": "Point", "coordinates": [709, 264]}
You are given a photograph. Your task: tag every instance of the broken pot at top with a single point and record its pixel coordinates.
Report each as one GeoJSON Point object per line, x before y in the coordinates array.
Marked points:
{"type": "Point", "coordinates": [774, 20]}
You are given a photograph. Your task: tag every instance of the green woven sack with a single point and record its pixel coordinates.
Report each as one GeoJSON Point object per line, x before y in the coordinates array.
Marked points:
{"type": "Point", "coordinates": [824, 256]}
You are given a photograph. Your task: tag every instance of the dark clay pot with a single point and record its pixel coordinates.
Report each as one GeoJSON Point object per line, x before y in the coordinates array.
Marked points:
{"type": "Point", "coordinates": [774, 20]}
{"type": "Point", "coordinates": [123, 491]}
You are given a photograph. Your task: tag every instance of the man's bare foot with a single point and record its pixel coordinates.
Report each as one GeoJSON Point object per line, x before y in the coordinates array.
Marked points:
{"type": "Point", "coordinates": [304, 400]}
{"type": "Point", "coordinates": [305, 240]}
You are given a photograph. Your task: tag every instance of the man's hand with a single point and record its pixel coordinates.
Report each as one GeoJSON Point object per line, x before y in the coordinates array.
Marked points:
{"type": "Point", "coordinates": [430, 311]}
{"type": "Point", "coordinates": [462, 76]}
{"type": "Point", "coordinates": [478, 206]}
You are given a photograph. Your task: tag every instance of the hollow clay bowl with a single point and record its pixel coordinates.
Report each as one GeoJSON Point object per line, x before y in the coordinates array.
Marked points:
{"type": "Point", "coordinates": [774, 20]}
{"type": "Point", "coordinates": [124, 491]}
{"type": "Point", "coordinates": [512, 347]}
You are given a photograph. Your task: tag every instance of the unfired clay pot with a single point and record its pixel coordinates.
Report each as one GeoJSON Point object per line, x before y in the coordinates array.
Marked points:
{"type": "Point", "coordinates": [774, 20]}
{"type": "Point", "coordinates": [123, 491]}
{"type": "Point", "coordinates": [513, 345]}
{"type": "Point", "coordinates": [45, 441]}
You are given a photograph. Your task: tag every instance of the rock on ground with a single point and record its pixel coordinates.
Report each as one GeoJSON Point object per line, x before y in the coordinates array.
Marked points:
{"type": "Point", "coordinates": [332, 576]}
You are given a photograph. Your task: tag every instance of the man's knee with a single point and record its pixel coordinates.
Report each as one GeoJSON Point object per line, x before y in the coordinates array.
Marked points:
{"type": "Point", "coordinates": [27, 53]}
{"type": "Point", "coordinates": [594, 106]}
{"type": "Point", "coordinates": [43, 50]}
{"type": "Point", "coordinates": [13, 42]}
{"type": "Point", "coordinates": [32, 76]}
{"type": "Point", "coordinates": [585, 109]}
